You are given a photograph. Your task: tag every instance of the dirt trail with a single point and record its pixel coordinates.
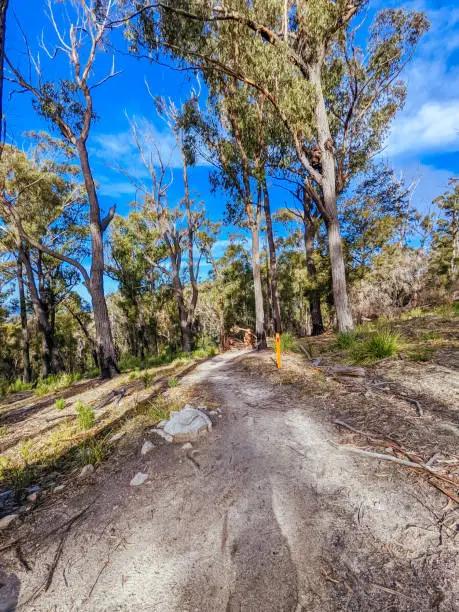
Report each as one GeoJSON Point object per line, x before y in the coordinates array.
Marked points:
{"type": "Point", "coordinates": [274, 518]}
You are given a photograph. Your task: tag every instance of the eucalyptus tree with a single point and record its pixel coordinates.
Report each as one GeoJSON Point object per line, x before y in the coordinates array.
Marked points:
{"type": "Point", "coordinates": [67, 103]}
{"type": "Point", "coordinates": [445, 240]}
{"type": "Point", "coordinates": [335, 97]}
{"type": "Point", "coordinates": [43, 202]}
{"type": "Point", "coordinates": [170, 235]}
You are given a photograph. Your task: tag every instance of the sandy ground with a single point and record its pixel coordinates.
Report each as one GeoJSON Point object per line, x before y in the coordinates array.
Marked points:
{"type": "Point", "coordinates": [269, 516]}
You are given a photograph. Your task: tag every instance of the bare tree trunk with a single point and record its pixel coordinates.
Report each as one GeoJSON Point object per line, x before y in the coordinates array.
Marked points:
{"type": "Point", "coordinates": [314, 294]}
{"type": "Point", "coordinates": [26, 367]}
{"type": "Point", "coordinates": [259, 310]}
{"type": "Point", "coordinates": [104, 339]}
{"type": "Point", "coordinates": [272, 262]}
{"type": "Point", "coordinates": [3, 10]}
{"type": "Point", "coordinates": [330, 212]}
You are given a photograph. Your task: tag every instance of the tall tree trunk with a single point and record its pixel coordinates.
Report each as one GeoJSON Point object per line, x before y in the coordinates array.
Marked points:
{"type": "Point", "coordinates": [50, 359]}
{"type": "Point", "coordinates": [314, 294]}
{"type": "Point", "coordinates": [185, 327]}
{"type": "Point", "coordinates": [329, 206]}
{"type": "Point", "coordinates": [3, 10]}
{"type": "Point", "coordinates": [26, 367]}
{"type": "Point", "coordinates": [272, 262]}
{"type": "Point", "coordinates": [259, 310]}
{"type": "Point", "coordinates": [104, 338]}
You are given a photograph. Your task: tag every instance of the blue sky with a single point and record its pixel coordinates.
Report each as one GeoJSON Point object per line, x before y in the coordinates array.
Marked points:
{"type": "Point", "coordinates": [423, 143]}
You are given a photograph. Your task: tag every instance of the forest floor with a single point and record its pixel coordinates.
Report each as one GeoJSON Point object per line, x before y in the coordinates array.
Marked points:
{"type": "Point", "coordinates": [273, 510]}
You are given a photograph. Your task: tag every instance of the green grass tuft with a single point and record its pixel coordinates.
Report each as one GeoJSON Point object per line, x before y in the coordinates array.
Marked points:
{"type": "Point", "coordinates": [59, 404]}
{"type": "Point", "coordinates": [56, 382]}
{"type": "Point", "coordinates": [147, 379]}
{"type": "Point", "coordinates": [286, 342]}
{"type": "Point", "coordinates": [86, 416]}
{"type": "Point", "coordinates": [346, 340]}
{"type": "Point", "coordinates": [172, 382]}
{"type": "Point", "coordinates": [18, 386]}
{"type": "Point", "coordinates": [3, 430]}
{"type": "Point", "coordinates": [382, 344]}
{"type": "Point", "coordinates": [92, 452]}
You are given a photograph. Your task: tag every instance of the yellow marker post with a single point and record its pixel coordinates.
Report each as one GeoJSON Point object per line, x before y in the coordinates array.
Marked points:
{"type": "Point", "coordinates": [278, 350]}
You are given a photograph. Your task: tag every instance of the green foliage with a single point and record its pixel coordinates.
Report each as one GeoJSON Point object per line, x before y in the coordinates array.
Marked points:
{"type": "Point", "coordinates": [56, 382]}
{"type": "Point", "coordinates": [382, 344]}
{"type": "Point", "coordinates": [421, 354]}
{"type": "Point", "coordinates": [147, 379]}
{"type": "Point", "coordinates": [286, 342]}
{"type": "Point", "coordinates": [86, 416]}
{"type": "Point", "coordinates": [18, 386]}
{"type": "Point", "coordinates": [173, 381]}
{"type": "Point", "coordinates": [3, 430]}
{"type": "Point", "coordinates": [132, 375]}
{"type": "Point", "coordinates": [59, 404]}
{"type": "Point", "coordinates": [346, 340]}
{"type": "Point", "coordinates": [92, 452]}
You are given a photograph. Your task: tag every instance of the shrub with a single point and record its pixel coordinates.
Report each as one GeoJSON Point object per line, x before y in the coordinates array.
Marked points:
{"type": "Point", "coordinates": [129, 362]}
{"type": "Point", "coordinates": [59, 404]}
{"type": "Point", "coordinates": [132, 375]}
{"type": "Point", "coordinates": [382, 344]}
{"type": "Point", "coordinates": [286, 342]}
{"type": "Point", "coordinates": [346, 340]}
{"type": "Point", "coordinates": [56, 382]}
{"type": "Point", "coordinates": [86, 416]}
{"type": "Point", "coordinates": [172, 382]}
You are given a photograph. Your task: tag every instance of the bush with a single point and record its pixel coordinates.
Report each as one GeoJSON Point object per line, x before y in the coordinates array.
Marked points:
{"type": "Point", "coordinates": [382, 344]}
{"type": "Point", "coordinates": [346, 340]}
{"type": "Point", "coordinates": [86, 416]}
{"type": "Point", "coordinates": [172, 382]}
{"type": "Point", "coordinates": [59, 404]}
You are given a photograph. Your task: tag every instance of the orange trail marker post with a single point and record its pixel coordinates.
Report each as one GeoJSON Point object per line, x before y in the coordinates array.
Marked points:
{"type": "Point", "coordinates": [278, 350]}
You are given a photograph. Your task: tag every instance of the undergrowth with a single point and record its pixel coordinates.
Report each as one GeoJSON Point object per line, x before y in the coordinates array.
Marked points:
{"type": "Point", "coordinates": [56, 382]}
{"type": "Point", "coordinates": [346, 340]}
{"type": "Point", "coordinates": [379, 346]}
{"type": "Point", "coordinates": [59, 404]}
{"type": "Point", "coordinates": [86, 416]}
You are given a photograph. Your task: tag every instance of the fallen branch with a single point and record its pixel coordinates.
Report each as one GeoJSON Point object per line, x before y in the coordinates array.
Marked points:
{"type": "Point", "coordinates": [306, 352]}
{"type": "Point", "coordinates": [415, 402]}
{"type": "Point", "coordinates": [344, 370]}
{"type": "Point", "coordinates": [405, 462]}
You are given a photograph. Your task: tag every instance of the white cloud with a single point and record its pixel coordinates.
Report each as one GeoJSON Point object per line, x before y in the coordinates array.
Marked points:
{"type": "Point", "coordinates": [433, 128]}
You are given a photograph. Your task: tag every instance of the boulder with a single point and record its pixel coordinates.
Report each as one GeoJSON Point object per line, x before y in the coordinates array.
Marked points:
{"type": "Point", "coordinates": [187, 424]}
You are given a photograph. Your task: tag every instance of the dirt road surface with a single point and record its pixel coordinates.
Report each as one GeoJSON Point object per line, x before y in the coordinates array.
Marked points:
{"type": "Point", "coordinates": [268, 516]}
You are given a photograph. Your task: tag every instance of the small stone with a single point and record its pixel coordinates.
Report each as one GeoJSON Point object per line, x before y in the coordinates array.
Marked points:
{"type": "Point", "coordinates": [147, 447]}
{"type": "Point", "coordinates": [187, 446]}
{"type": "Point", "coordinates": [32, 497]}
{"type": "Point", "coordinates": [117, 436]}
{"type": "Point", "coordinates": [88, 469]}
{"type": "Point", "coordinates": [213, 412]}
{"type": "Point", "coordinates": [58, 488]}
{"type": "Point", "coordinates": [6, 520]}
{"type": "Point", "coordinates": [138, 479]}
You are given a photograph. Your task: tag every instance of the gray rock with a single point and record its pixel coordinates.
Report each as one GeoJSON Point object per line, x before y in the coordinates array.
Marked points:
{"type": "Point", "coordinates": [162, 434]}
{"type": "Point", "coordinates": [138, 479]}
{"type": "Point", "coordinates": [6, 520]}
{"type": "Point", "coordinates": [88, 469]}
{"type": "Point", "coordinates": [147, 447]}
{"type": "Point", "coordinates": [187, 446]}
{"type": "Point", "coordinates": [32, 497]}
{"type": "Point", "coordinates": [58, 488]}
{"type": "Point", "coordinates": [213, 413]}
{"type": "Point", "coordinates": [117, 436]}
{"type": "Point", "coordinates": [187, 424]}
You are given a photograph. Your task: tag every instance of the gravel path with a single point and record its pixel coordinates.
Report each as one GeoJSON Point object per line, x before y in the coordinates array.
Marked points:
{"type": "Point", "coordinates": [269, 517]}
